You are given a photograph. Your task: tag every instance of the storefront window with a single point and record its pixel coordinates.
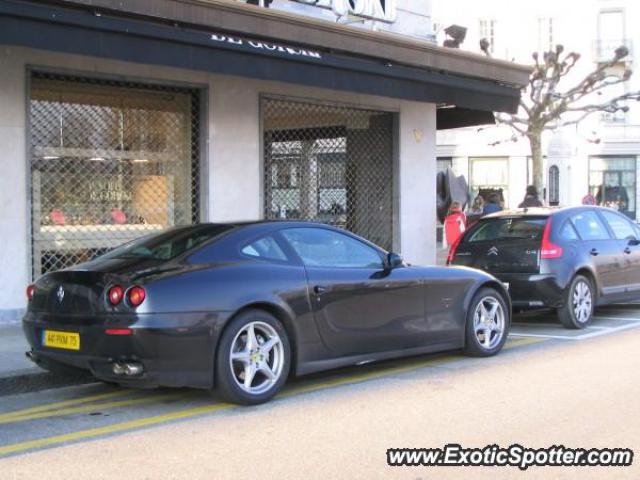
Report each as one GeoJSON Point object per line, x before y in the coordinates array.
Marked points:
{"type": "Point", "coordinates": [330, 164]}
{"type": "Point", "coordinates": [489, 175]}
{"type": "Point", "coordinates": [612, 181]}
{"type": "Point", "coordinates": [109, 163]}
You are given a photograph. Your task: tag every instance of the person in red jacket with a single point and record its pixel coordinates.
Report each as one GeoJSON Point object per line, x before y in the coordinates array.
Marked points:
{"type": "Point", "coordinates": [454, 223]}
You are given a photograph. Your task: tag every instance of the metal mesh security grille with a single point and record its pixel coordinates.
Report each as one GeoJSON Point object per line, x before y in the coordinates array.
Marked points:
{"type": "Point", "coordinates": [330, 164]}
{"type": "Point", "coordinates": [110, 162]}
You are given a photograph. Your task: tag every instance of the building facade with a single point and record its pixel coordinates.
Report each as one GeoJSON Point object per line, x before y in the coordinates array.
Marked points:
{"type": "Point", "coordinates": [118, 121]}
{"type": "Point", "coordinates": [600, 155]}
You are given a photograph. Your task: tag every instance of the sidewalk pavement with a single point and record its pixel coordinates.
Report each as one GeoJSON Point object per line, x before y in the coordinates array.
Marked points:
{"type": "Point", "coordinates": [13, 344]}
{"type": "Point", "coordinates": [18, 374]}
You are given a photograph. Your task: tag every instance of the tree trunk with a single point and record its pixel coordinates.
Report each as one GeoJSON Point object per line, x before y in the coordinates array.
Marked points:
{"type": "Point", "coordinates": [535, 142]}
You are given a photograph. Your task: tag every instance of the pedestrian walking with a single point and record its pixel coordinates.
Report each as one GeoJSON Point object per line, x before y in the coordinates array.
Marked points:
{"type": "Point", "coordinates": [454, 223]}
{"type": "Point", "coordinates": [477, 205]}
{"type": "Point", "coordinates": [589, 199]}
{"type": "Point", "coordinates": [531, 198]}
{"type": "Point", "coordinates": [492, 205]}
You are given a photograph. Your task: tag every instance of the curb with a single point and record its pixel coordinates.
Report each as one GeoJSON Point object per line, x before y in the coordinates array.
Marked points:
{"type": "Point", "coordinates": [11, 316]}
{"type": "Point", "coordinates": [33, 381]}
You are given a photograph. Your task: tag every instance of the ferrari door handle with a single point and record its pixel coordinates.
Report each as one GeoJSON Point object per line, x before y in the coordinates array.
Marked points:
{"type": "Point", "coordinates": [594, 252]}
{"type": "Point", "coordinates": [320, 289]}
{"type": "Point", "coordinates": [627, 250]}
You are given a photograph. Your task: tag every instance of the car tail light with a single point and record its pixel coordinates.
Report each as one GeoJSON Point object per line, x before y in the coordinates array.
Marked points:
{"type": "Point", "coordinates": [136, 295]}
{"type": "Point", "coordinates": [452, 250]}
{"type": "Point", "coordinates": [118, 331]}
{"type": "Point", "coordinates": [116, 294]}
{"type": "Point", "coordinates": [31, 289]}
{"type": "Point", "coordinates": [548, 249]}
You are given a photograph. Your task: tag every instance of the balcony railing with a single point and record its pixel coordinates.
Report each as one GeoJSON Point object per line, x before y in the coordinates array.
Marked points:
{"type": "Point", "coordinates": [604, 50]}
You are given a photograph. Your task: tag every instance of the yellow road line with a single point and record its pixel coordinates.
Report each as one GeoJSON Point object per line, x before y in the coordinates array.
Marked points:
{"type": "Point", "coordinates": [88, 408]}
{"type": "Point", "coordinates": [118, 427]}
{"type": "Point", "coordinates": [192, 412]}
{"type": "Point", "coordinates": [434, 362]}
{"type": "Point", "coordinates": [366, 376]}
{"type": "Point", "coordinates": [522, 341]}
{"type": "Point", "coordinates": [65, 403]}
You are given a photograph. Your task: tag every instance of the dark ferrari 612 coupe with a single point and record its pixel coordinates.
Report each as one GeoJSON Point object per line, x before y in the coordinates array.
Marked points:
{"type": "Point", "coordinates": [238, 307]}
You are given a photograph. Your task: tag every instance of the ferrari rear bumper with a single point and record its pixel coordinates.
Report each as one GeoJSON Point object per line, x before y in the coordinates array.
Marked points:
{"type": "Point", "coordinates": [148, 350]}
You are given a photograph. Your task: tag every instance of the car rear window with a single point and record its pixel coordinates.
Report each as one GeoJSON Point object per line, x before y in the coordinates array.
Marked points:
{"type": "Point", "coordinates": [509, 228]}
{"type": "Point", "coordinates": [170, 243]}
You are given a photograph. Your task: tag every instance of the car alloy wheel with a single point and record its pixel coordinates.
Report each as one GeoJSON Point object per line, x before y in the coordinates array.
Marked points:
{"type": "Point", "coordinates": [489, 323]}
{"type": "Point", "coordinates": [581, 302]}
{"type": "Point", "coordinates": [256, 358]}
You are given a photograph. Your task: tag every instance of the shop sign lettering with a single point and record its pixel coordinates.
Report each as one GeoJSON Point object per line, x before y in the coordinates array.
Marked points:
{"type": "Point", "coordinates": [266, 46]}
{"type": "Point", "coordinates": [380, 10]}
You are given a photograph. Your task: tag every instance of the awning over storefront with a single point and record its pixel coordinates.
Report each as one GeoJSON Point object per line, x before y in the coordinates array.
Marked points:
{"type": "Point", "coordinates": [456, 117]}
{"type": "Point", "coordinates": [112, 35]}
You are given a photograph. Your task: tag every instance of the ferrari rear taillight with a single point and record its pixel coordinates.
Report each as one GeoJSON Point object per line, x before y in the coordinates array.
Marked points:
{"type": "Point", "coordinates": [31, 289]}
{"type": "Point", "coordinates": [119, 331]}
{"type": "Point", "coordinates": [116, 294]}
{"type": "Point", "coordinates": [548, 249]}
{"type": "Point", "coordinates": [136, 295]}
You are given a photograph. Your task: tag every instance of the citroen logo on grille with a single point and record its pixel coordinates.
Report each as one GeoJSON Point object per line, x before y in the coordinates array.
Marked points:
{"type": "Point", "coordinates": [60, 293]}
{"type": "Point", "coordinates": [492, 251]}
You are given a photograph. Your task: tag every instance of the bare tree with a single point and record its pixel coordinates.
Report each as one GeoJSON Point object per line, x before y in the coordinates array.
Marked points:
{"type": "Point", "coordinates": [545, 105]}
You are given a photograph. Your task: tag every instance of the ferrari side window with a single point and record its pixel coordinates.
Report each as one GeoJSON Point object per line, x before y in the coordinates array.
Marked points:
{"type": "Point", "coordinates": [266, 248]}
{"type": "Point", "coordinates": [319, 247]}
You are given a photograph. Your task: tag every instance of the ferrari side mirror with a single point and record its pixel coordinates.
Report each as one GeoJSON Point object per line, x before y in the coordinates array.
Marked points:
{"type": "Point", "coordinates": [394, 261]}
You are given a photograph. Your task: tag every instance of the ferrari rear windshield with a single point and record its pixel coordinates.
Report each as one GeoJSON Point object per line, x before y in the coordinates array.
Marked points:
{"type": "Point", "coordinates": [168, 244]}
{"type": "Point", "coordinates": [508, 228]}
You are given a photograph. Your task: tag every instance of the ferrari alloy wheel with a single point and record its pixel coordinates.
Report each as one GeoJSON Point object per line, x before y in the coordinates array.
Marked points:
{"type": "Point", "coordinates": [253, 358]}
{"type": "Point", "coordinates": [256, 358]}
{"type": "Point", "coordinates": [577, 312]}
{"type": "Point", "coordinates": [487, 323]}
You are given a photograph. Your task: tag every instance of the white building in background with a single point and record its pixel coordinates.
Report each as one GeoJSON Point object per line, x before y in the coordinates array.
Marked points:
{"type": "Point", "coordinates": [602, 154]}
{"type": "Point", "coordinates": [405, 17]}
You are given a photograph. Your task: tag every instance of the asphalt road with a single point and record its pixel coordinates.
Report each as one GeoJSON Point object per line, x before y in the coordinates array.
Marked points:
{"type": "Point", "coordinates": [548, 387]}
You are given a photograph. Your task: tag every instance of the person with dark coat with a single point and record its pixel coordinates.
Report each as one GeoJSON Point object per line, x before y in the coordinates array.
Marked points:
{"type": "Point", "coordinates": [492, 205]}
{"type": "Point", "coordinates": [531, 198]}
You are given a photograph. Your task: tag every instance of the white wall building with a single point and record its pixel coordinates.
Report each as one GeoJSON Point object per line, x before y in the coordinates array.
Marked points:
{"type": "Point", "coordinates": [119, 119]}
{"type": "Point", "coordinates": [601, 155]}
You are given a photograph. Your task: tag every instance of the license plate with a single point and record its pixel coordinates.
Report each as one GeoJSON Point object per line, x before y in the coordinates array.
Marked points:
{"type": "Point", "coordinates": [64, 340]}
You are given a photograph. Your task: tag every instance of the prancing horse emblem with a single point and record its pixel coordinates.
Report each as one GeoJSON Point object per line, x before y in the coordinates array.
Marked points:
{"type": "Point", "coordinates": [60, 294]}
{"type": "Point", "coordinates": [492, 251]}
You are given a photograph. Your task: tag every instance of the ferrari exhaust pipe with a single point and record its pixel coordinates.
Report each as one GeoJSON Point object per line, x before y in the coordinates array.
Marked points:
{"type": "Point", "coordinates": [133, 369]}
{"type": "Point", "coordinates": [128, 369]}
{"type": "Point", "coordinates": [32, 356]}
